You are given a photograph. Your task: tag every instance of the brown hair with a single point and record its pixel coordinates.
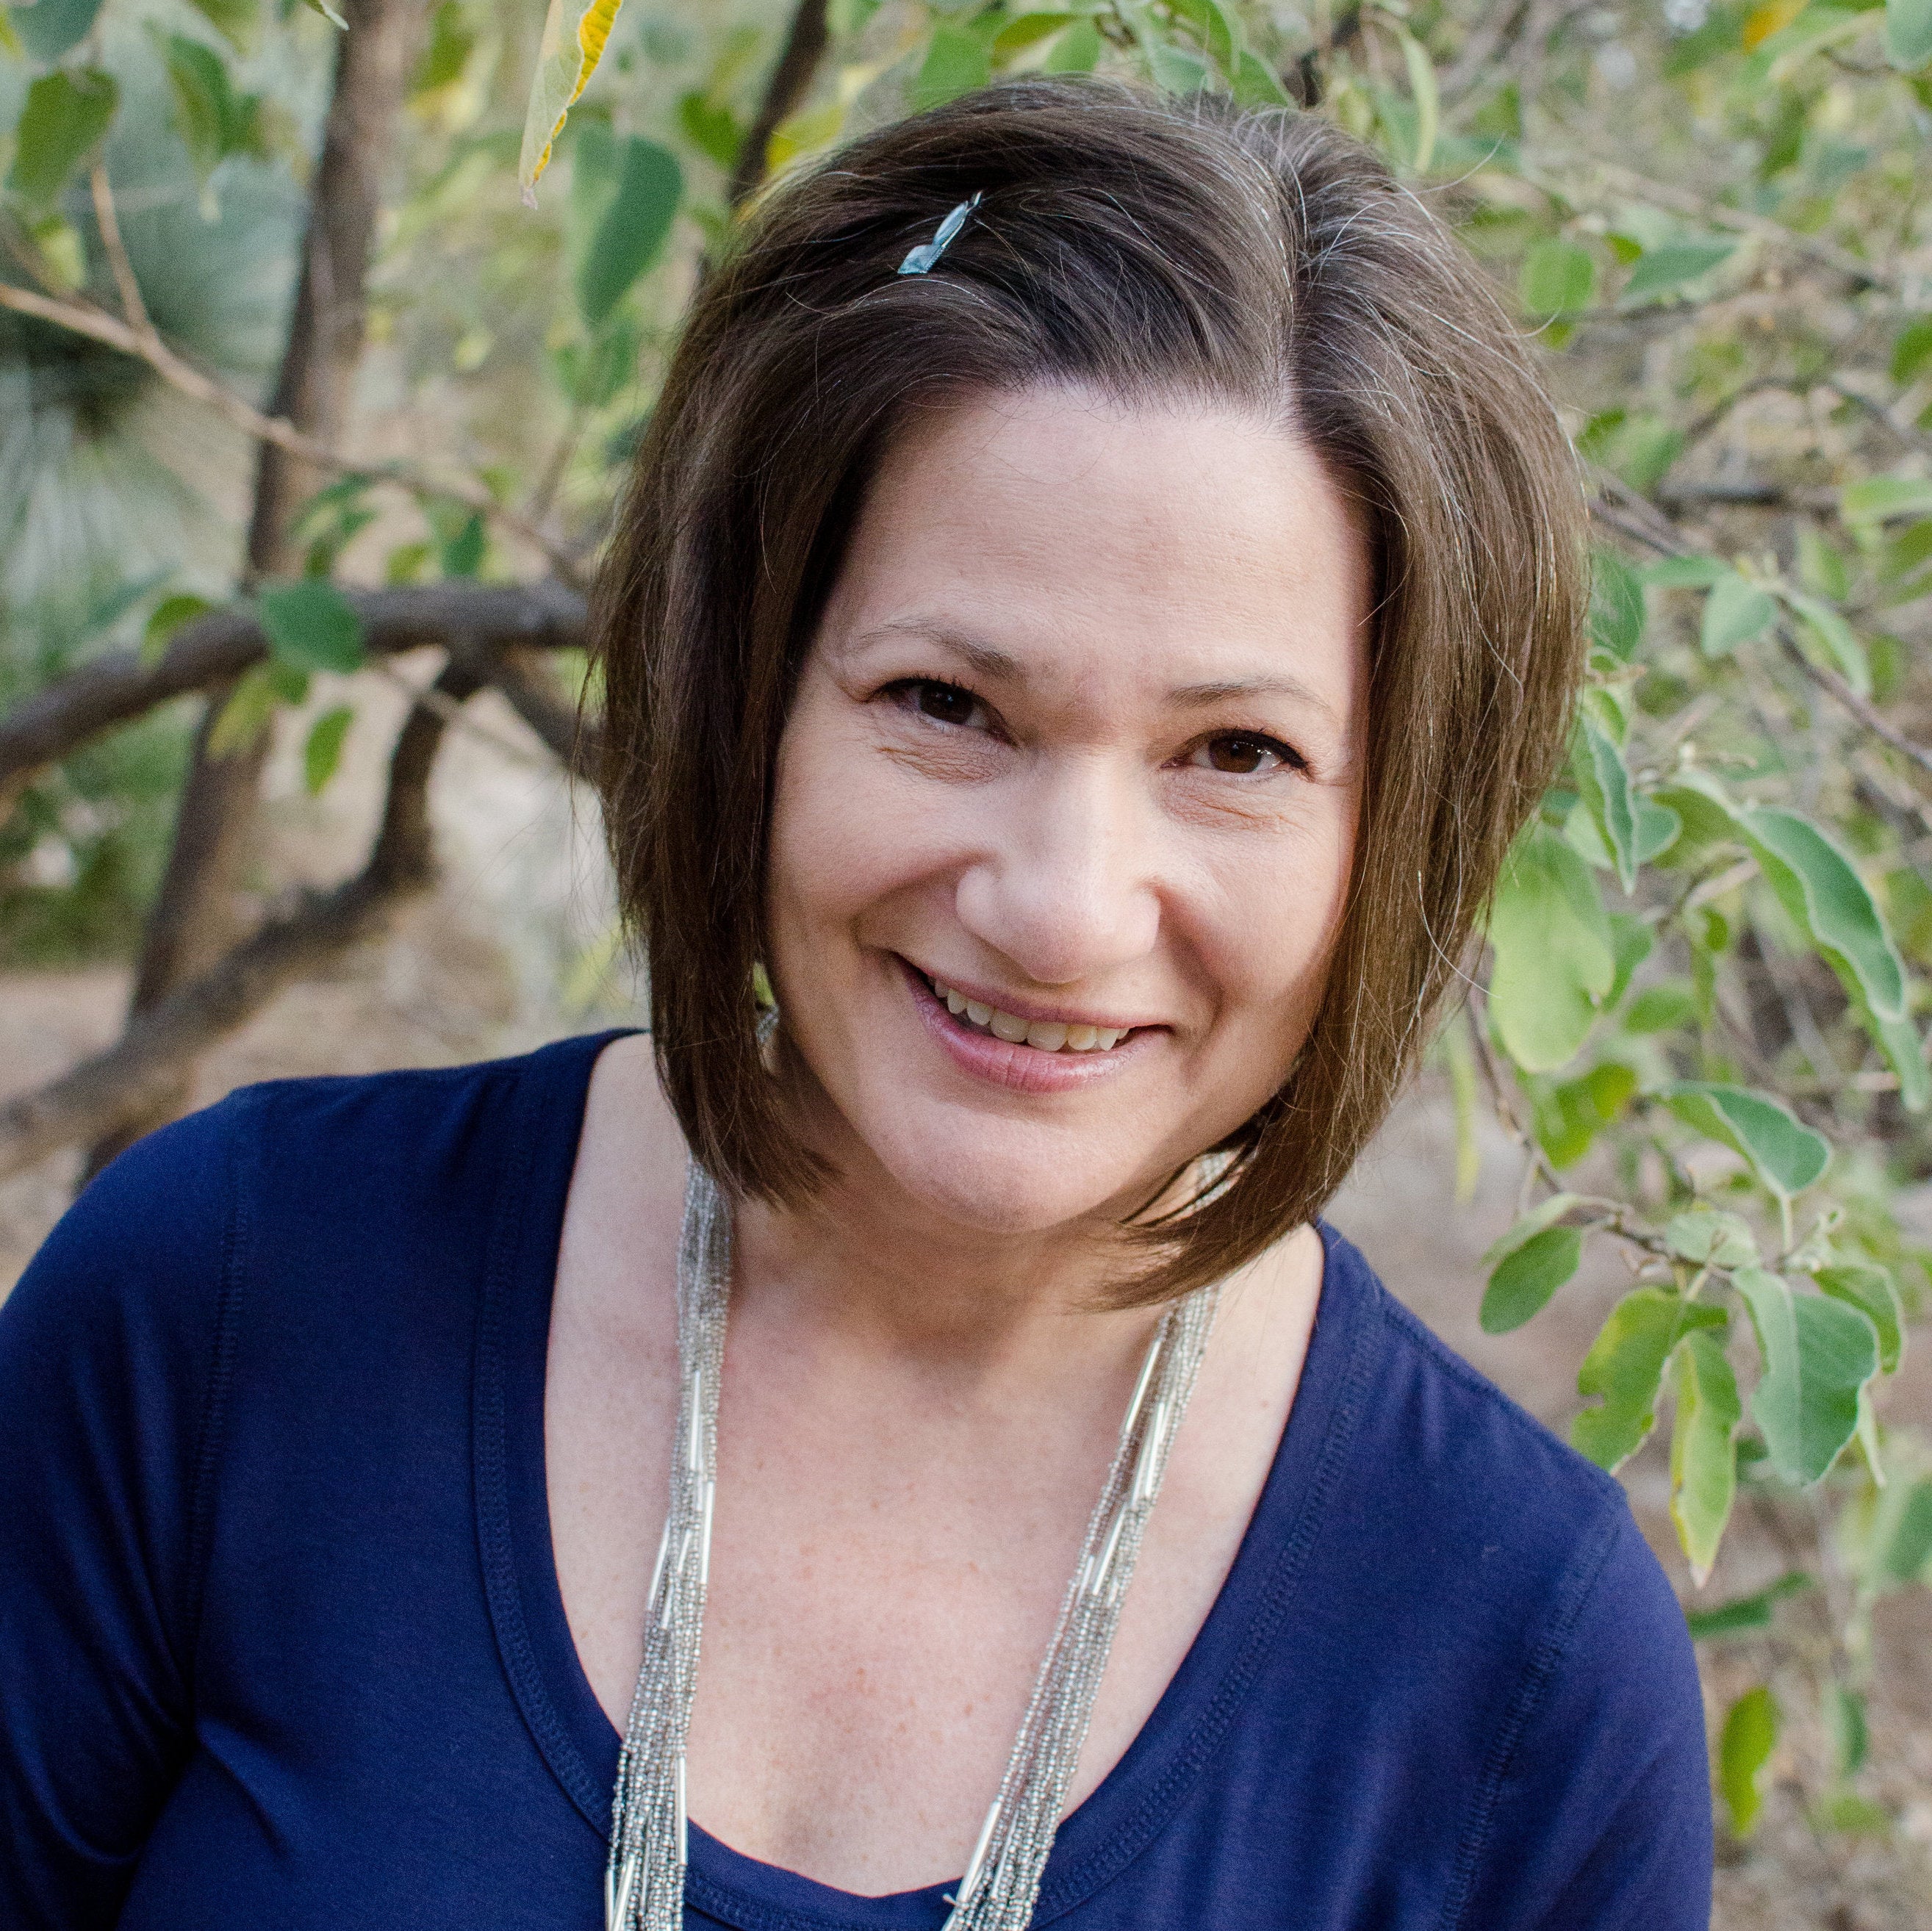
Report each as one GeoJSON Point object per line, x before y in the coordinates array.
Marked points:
{"type": "Point", "coordinates": [1138, 245]}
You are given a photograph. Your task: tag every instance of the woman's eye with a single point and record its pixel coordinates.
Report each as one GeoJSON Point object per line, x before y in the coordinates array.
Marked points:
{"type": "Point", "coordinates": [1244, 754]}
{"type": "Point", "coordinates": [946, 704]}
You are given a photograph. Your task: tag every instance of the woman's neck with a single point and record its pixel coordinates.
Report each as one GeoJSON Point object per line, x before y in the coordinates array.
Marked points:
{"type": "Point", "coordinates": [859, 1270]}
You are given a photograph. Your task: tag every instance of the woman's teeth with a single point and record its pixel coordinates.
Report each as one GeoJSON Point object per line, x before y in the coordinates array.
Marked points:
{"type": "Point", "coordinates": [1050, 1035]}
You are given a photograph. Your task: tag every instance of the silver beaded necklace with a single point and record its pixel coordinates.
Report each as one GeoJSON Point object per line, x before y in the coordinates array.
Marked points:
{"type": "Point", "coordinates": [643, 1883]}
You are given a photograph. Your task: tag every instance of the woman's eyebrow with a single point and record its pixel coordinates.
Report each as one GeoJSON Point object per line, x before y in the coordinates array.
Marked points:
{"type": "Point", "coordinates": [984, 658]}
{"type": "Point", "coordinates": [1194, 696]}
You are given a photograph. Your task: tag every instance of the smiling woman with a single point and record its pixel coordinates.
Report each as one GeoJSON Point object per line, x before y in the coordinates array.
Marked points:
{"type": "Point", "coordinates": [894, 1446]}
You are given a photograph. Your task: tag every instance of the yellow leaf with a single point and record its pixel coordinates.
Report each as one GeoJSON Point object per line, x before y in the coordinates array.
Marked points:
{"type": "Point", "coordinates": [574, 37]}
{"type": "Point", "coordinates": [803, 134]}
{"type": "Point", "coordinates": [1769, 17]}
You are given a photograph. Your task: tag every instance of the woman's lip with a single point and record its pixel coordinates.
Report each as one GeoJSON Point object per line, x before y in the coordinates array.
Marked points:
{"type": "Point", "coordinates": [1023, 1008]}
{"type": "Point", "coordinates": [1023, 1068]}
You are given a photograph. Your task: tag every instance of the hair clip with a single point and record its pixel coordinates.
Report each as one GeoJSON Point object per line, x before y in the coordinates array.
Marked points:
{"type": "Point", "coordinates": [927, 252]}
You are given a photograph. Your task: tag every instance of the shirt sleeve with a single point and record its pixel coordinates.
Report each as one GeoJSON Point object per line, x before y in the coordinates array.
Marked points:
{"type": "Point", "coordinates": [1601, 1817]}
{"type": "Point", "coordinates": [108, 1350]}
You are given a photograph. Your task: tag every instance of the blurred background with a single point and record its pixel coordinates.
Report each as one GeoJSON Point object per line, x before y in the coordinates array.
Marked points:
{"type": "Point", "coordinates": [311, 428]}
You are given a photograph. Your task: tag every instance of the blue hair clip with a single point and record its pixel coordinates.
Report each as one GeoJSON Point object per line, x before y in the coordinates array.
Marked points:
{"type": "Point", "coordinates": [927, 252]}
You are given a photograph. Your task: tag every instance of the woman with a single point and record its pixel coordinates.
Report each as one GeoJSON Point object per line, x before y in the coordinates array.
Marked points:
{"type": "Point", "coordinates": [1100, 592]}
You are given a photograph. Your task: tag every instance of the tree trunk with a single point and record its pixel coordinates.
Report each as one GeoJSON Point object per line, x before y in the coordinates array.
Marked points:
{"type": "Point", "coordinates": [198, 916]}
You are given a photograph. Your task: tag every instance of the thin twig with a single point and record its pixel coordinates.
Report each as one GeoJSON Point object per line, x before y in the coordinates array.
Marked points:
{"type": "Point", "coordinates": [84, 318]}
{"type": "Point", "coordinates": [109, 223]}
{"type": "Point", "coordinates": [1862, 708]}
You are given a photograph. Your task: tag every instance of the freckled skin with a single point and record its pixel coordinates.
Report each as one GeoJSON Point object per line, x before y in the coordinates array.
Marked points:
{"type": "Point", "coordinates": [1082, 725]}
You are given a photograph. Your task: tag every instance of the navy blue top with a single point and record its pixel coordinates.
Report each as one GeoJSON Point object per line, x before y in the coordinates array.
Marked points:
{"type": "Point", "coordinates": [281, 1642]}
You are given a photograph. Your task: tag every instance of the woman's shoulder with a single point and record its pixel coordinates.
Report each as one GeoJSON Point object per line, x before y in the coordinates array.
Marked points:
{"type": "Point", "coordinates": [1487, 1510]}
{"type": "Point", "coordinates": [292, 1180]}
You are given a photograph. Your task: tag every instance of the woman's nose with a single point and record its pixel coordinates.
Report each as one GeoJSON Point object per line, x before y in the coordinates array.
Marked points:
{"type": "Point", "coordinates": [1066, 886]}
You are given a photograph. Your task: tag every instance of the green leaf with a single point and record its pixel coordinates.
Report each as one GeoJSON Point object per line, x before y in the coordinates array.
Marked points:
{"type": "Point", "coordinates": [632, 233]}
{"type": "Point", "coordinates": [1256, 85]}
{"type": "Point", "coordinates": [1907, 1547]}
{"type": "Point", "coordinates": [712, 128]}
{"type": "Point", "coordinates": [1703, 1449]}
{"type": "Point", "coordinates": [1028, 30]}
{"type": "Point", "coordinates": [1660, 271]}
{"type": "Point", "coordinates": [1908, 33]}
{"type": "Point", "coordinates": [1078, 50]}
{"type": "Point", "coordinates": [1745, 1615]}
{"type": "Point", "coordinates": [1734, 612]}
{"type": "Point", "coordinates": [1709, 1239]}
{"type": "Point", "coordinates": [1750, 1735]}
{"type": "Point", "coordinates": [1815, 1354]}
{"type": "Point", "coordinates": [956, 61]}
{"type": "Point", "coordinates": [213, 120]}
{"type": "Point", "coordinates": [48, 28]}
{"type": "Point", "coordinates": [1625, 1366]}
{"type": "Point", "coordinates": [1559, 278]}
{"type": "Point", "coordinates": [1685, 573]}
{"type": "Point", "coordinates": [322, 752]}
{"type": "Point", "coordinates": [1785, 1155]}
{"type": "Point", "coordinates": [167, 617]}
{"type": "Point", "coordinates": [1554, 958]}
{"type": "Point", "coordinates": [1570, 1116]}
{"type": "Point", "coordinates": [329, 14]}
{"type": "Point", "coordinates": [463, 555]}
{"type": "Point", "coordinates": [242, 719]}
{"type": "Point", "coordinates": [1661, 1008]}
{"type": "Point", "coordinates": [1845, 1721]}
{"type": "Point", "coordinates": [1879, 498]}
{"type": "Point", "coordinates": [64, 117]}
{"type": "Point", "coordinates": [1177, 71]}
{"type": "Point", "coordinates": [311, 625]}
{"type": "Point", "coordinates": [452, 40]}
{"type": "Point", "coordinates": [1524, 1280]}
{"type": "Point", "coordinates": [1616, 604]}
{"type": "Point", "coordinates": [236, 20]}
{"type": "Point", "coordinates": [1912, 349]}
{"type": "Point", "coordinates": [1873, 1291]}
{"type": "Point", "coordinates": [1217, 30]}
{"type": "Point", "coordinates": [1545, 1213]}
{"type": "Point", "coordinates": [1821, 890]}
{"type": "Point", "coordinates": [1658, 828]}
{"type": "Point", "coordinates": [1604, 779]}
{"type": "Point", "coordinates": [1426, 95]}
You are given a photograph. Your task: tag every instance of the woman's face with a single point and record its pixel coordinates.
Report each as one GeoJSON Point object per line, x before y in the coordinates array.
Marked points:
{"type": "Point", "coordinates": [1079, 740]}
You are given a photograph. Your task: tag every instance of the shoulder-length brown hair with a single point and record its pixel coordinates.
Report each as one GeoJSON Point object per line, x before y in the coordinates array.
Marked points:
{"type": "Point", "coordinates": [1141, 247]}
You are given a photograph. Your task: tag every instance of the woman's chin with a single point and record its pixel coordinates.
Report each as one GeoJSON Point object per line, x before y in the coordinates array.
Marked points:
{"type": "Point", "coordinates": [1011, 1192]}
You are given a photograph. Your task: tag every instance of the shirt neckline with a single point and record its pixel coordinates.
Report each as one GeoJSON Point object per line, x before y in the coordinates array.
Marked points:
{"type": "Point", "coordinates": [578, 1742]}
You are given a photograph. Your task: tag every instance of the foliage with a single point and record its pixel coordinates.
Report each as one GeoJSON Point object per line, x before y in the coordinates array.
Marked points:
{"type": "Point", "coordinates": [1700, 1012]}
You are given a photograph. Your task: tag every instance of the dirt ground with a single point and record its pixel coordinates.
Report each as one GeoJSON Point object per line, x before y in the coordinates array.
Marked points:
{"type": "Point", "coordinates": [448, 987]}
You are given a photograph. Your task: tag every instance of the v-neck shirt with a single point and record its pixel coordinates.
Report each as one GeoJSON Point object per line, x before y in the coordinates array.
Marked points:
{"type": "Point", "coordinates": [281, 1638]}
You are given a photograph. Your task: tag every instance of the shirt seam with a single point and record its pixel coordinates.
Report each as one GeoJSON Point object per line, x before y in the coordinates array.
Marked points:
{"type": "Point", "coordinates": [1574, 1591]}
{"type": "Point", "coordinates": [211, 1427]}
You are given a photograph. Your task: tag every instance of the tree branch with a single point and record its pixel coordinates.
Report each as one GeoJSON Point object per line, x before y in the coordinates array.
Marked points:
{"type": "Point", "coordinates": [790, 81]}
{"type": "Point", "coordinates": [84, 318]}
{"type": "Point", "coordinates": [147, 1065]}
{"type": "Point", "coordinates": [210, 649]}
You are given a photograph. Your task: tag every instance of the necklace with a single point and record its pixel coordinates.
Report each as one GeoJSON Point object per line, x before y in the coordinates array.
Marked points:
{"type": "Point", "coordinates": [643, 1883]}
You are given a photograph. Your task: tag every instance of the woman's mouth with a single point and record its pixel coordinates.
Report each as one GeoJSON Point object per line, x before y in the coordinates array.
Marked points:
{"type": "Point", "coordinates": [1011, 1049]}
{"type": "Point", "coordinates": [1045, 1036]}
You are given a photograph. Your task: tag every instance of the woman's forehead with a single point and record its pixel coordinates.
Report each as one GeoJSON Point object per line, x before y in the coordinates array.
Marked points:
{"type": "Point", "coordinates": [1032, 525]}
